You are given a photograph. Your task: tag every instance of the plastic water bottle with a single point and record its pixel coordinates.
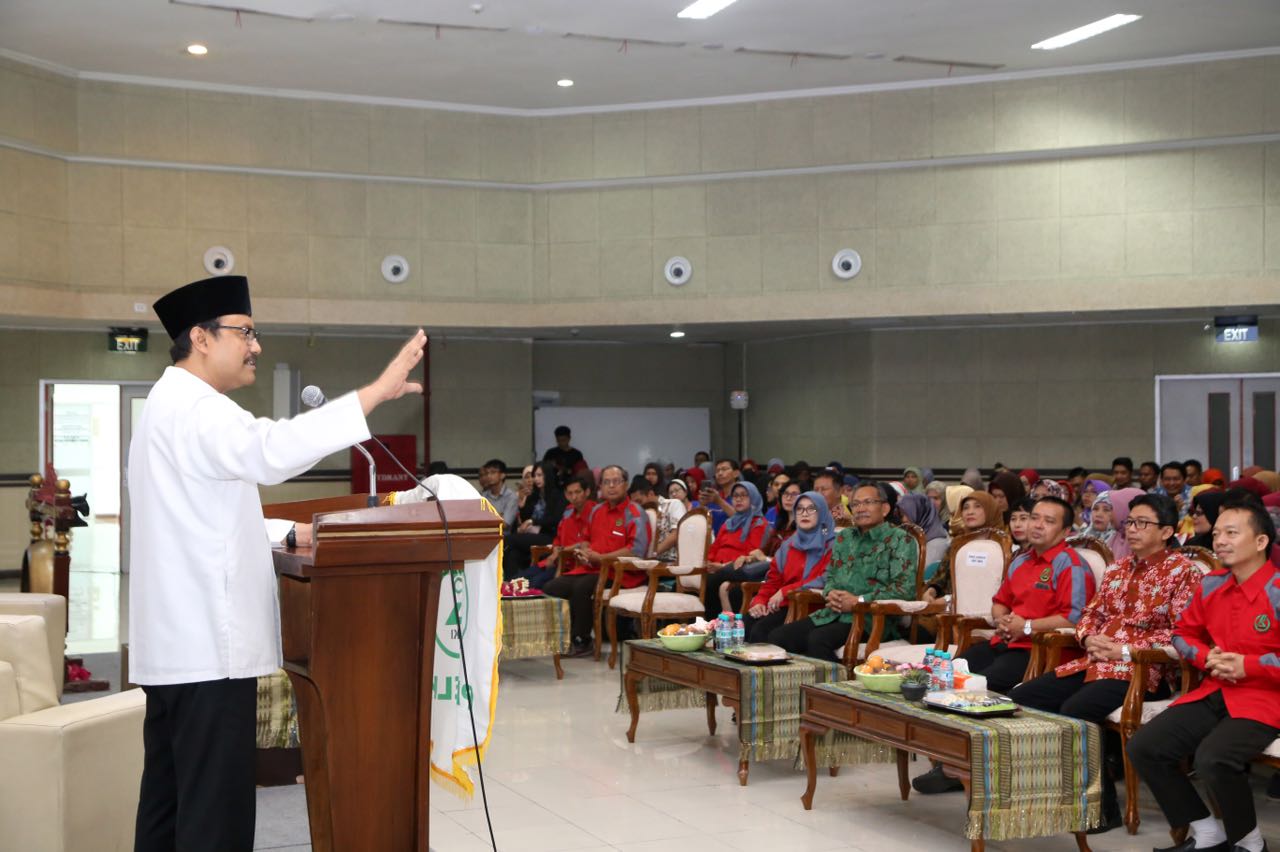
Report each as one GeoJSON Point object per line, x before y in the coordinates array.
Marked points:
{"type": "Point", "coordinates": [931, 663]}
{"type": "Point", "coordinates": [946, 675]}
{"type": "Point", "coordinates": [724, 632]}
{"type": "Point", "coordinates": [739, 632]}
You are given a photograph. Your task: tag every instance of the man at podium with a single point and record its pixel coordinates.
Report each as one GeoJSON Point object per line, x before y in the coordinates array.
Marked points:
{"type": "Point", "coordinates": [204, 613]}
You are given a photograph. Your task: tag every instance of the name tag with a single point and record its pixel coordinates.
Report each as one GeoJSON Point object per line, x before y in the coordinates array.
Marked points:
{"type": "Point", "coordinates": [620, 533]}
{"type": "Point", "coordinates": [976, 560]}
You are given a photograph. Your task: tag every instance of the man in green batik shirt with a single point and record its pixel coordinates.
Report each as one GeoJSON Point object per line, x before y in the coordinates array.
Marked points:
{"type": "Point", "coordinates": [873, 561]}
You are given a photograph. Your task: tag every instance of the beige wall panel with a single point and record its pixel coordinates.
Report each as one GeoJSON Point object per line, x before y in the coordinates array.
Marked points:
{"type": "Point", "coordinates": [95, 256]}
{"type": "Point", "coordinates": [1029, 249]}
{"type": "Point", "coordinates": [9, 262]}
{"type": "Point", "coordinates": [1158, 104]}
{"type": "Point", "coordinates": [503, 272]}
{"type": "Point", "coordinates": [1229, 177]}
{"type": "Point", "coordinates": [337, 266]}
{"type": "Point", "coordinates": [216, 200]}
{"type": "Point", "coordinates": [842, 129]}
{"type": "Point", "coordinates": [789, 262]}
{"type": "Point", "coordinates": [280, 262]}
{"type": "Point", "coordinates": [280, 133]}
{"type": "Point", "coordinates": [453, 145]}
{"type": "Point", "coordinates": [448, 213]}
{"type": "Point", "coordinates": [728, 135]}
{"type": "Point", "coordinates": [574, 270]}
{"type": "Point", "coordinates": [340, 137]}
{"type": "Point", "coordinates": [846, 201]}
{"type": "Point", "coordinates": [1228, 240]}
{"type": "Point", "coordinates": [626, 268]}
{"type": "Point", "coordinates": [42, 187]}
{"type": "Point", "coordinates": [42, 251]}
{"type": "Point", "coordinates": [618, 148]}
{"type": "Point", "coordinates": [573, 216]}
{"type": "Point", "coordinates": [903, 258]}
{"type": "Point", "coordinates": [565, 148]}
{"type": "Point", "coordinates": [1028, 115]}
{"type": "Point", "coordinates": [95, 194]}
{"type": "Point", "coordinates": [278, 204]}
{"type": "Point", "coordinates": [1231, 98]}
{"type": "Point", "coordinates": [1273, 238]}
{"type": "Point", "coordinates": [1092, 246]}
{"type": "Point", "coordinates": [156, 124]}
{"type": "Point", "coordinates": [679, 211]}
{"type": "Point", "coordinates": [1028, 191]}
{"type": "Point", "coordinates": [789, 204]}
{"type": "Point", "coordinates": [672, 143]}
{"type": "Point", "coordinates": [1159, 181]}
{"type": "Point", "coordinates": [215, 125]}
{"type": "Point", "coordinates": [449, 270]}
{"type": "Point", "coordinates": [734, 264]}
{"type": "Point", "coordinates": [506, 149]}
{"type": "Point", "coordinates": [965, 194]}
{"type": "Point", "coordinates": [100, 119]}
{"type": "Point", "coordinates": [17, 104]}
{"type": "Point", "coordinates": [337, 208]}
{"type": "Point", "coordinates": [395, 210]}
{"type": "Point", "coordinates": [785, 134]}
{"type": "Point", "coordinates": [504, 216]}
{"type": "Point", "coordinates": [1092, 187]}
{"type": "Point", "coordinates": [54, 124]}
{"type": "Point", "coordinates": [626, 213]}
{"type": "Point", "coordinates": [1158, 243]}
{"type": "Point", "coordinates": [151, 258]}
{"type": "Point", "coordinates": [963, 120]}
{"type": "Point", "coordinates": [1091, 110]}
{"type": "Point", "coordinates": [905, 197]}
{"type": "Point", "coordinates": [154, 198]}
{"type": "Point", "coordinates": [398, 141]}
{"type": "Point", "coordinates": [1272, 168]}
{"type": "Point", "coordinates": [962, 253]}
{"type": "Point", "coordinates": [11, 163]}
{"type": "Point", "coordinates": [901, 125]}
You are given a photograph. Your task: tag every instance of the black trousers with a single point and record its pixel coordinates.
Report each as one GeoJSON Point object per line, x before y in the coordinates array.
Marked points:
{"type": "Point", "coordinates": [1222, 748]}
{"type": "Point", "coordinates": [805, 637]}
{"type": "Point", "coordinates": [579, 590]}
{"type": "Point", "coordinates": [759, 629]}
{"type": "Point", "coordinates": [750, 571]}
{"type": "Point", "coordinates": [197, 793]}
{"type": "Point", "coordinates": [1002, 666]}
{"type": "Point", "coordinates": [518, 557]}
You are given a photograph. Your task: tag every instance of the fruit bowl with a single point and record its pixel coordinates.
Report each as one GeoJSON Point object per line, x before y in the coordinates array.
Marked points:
{"type": "Point", "coordinates": [884, 682]}
{"type": "Point", "coordinates": [684, 642]}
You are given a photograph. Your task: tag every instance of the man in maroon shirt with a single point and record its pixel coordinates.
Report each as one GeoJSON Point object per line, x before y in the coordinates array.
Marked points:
{"type": "Point", "coordinates": [1231, 631]}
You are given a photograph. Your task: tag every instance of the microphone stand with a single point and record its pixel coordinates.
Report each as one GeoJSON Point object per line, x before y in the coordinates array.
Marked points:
{"type": "Point", "coordinates": [373, 472]}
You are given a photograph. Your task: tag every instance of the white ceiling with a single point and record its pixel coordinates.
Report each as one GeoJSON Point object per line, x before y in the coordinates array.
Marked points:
{"type": "Point", "coordinates": [517, 69]}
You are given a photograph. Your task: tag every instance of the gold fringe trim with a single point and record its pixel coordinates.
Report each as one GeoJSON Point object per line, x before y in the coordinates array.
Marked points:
{"type": "Point", "coordinates": [1031, 821]}
{"type": "Point", "coordinates": [671, 699]}
{"type": "Point", "coordinates": [848, 751]}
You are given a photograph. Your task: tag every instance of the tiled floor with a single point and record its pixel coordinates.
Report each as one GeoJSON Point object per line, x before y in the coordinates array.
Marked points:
{"type": "Point", "coordinates": [562, 776]}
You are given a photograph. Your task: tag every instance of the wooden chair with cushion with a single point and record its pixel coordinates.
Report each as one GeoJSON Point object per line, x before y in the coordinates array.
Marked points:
{"type": "Point", "coordinates": [647, 604]}
{"type": "Point", "coordinates": [1136, 710]}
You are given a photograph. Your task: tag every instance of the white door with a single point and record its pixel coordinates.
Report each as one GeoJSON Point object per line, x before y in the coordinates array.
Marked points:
{"type": "Point", "coordinates": [1225, 421]}
{"type": "Point", "coordinates": [132, 398]}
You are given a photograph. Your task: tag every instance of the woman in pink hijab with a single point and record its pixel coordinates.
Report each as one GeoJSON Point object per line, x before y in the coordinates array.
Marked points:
{"type": "Point", "coordinates": [1120, 500]}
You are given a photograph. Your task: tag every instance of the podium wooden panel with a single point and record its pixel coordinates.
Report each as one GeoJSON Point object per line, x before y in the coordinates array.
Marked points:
{"type": "Point", "coordinates": [358, 618]}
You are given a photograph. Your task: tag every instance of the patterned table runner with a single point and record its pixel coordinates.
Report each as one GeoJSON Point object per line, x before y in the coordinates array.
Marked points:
{"type": "Point", "coordinates": [1033, 775]}
{"type": "Point", "coordinates": [277, 712]}
{"type": "Point", "coordinates": [535, 627]}
{"type": "Point", "coordinates": [769, 718]}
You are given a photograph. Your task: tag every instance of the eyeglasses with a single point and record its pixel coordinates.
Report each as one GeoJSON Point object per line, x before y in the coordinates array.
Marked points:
{"type": "Point", "coordinates": [806, 510]}
{"type": "Point", "coordinates": [249, 334]}
{"type": "Point", "coordinates": [1197, 512]}
{"type": "Point", "coordinates": [1139, 523]}
{"type": "Point", "coordinates": [613, 482]}
{"type": "Point", "coordinates": [864, 504]}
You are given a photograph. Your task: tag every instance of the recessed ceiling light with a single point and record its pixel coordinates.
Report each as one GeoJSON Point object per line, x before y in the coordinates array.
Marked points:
{"type": "Point", "coordinates": [197, 49]}
{"type": "Point", "coordinates": [677, 334]}
{"type": "Point", "coordinates": [702, 9]}
{"type": "Point", "coordinates": [1087, 31]}
{"type": "Point", "coordinates": [565, 83]}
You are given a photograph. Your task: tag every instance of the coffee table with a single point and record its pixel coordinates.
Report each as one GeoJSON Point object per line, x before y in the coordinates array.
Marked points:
{"type": "Point", "coordinates": [536, 627]}
{"type": "Point", "coordinates": [1015, 770]}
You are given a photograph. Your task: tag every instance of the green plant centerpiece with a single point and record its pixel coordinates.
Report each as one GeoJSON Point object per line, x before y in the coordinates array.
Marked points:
{"type": "Point", "coordinates": [915, 680]}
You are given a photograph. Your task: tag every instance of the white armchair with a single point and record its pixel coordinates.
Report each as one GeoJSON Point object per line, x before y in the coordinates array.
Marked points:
{"type": "Point", "coordinates": [70, 775]}
{"type": "Point", "coordinates": [53, 609]}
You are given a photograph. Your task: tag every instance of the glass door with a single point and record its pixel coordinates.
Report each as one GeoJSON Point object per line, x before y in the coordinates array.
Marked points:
{"type": "Point", "coordinates": [1225, 421]}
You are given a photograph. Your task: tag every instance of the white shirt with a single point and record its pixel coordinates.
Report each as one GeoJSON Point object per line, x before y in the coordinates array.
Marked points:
{"type": "Point", "coordinates": [202, 593]}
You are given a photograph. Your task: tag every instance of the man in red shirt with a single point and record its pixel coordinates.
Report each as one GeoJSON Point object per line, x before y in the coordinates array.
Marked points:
{"type": "Point", "coordinates": [1137, 604]}
{"type": "Point", "coordinates": [571, 532]}
{"type": "Point", "coordinates": [615, 527]}
{"type": "Point", "coordinates": [1046, 587]}
{"type": "Point", "coordinates": [1231, 631]}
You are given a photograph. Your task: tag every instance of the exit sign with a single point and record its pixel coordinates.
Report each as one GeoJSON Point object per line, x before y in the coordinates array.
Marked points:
{"type": "Point", "coordinates": [127, 340]}
{"type": "Point", "coordinates": [1238, 334]}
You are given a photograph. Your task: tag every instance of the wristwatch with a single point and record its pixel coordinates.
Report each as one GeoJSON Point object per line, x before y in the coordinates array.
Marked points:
{"type": "Point", "coordinates": [1026, 627]}
{"type": "Point", "coordinates": [291, 540]}
{"type": "Point", "coordinates": [1125, 655]}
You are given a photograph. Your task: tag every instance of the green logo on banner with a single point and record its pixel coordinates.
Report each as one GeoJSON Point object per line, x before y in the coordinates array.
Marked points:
{"type": "Point", "coordinates": [449, 639]}
{"type": "Point", "coordinates": [1262, 624]}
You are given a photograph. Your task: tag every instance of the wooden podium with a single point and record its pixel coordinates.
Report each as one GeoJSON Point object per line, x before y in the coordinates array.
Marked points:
{"type": "Point", "coordinates": [358, 619]}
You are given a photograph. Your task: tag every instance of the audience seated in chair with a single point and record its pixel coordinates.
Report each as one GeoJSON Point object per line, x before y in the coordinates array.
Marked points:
{"type": "Point", "coordinates": [1231, 632]}
{"type": "Point", "coordinates": [1046, 587]}
{"type": "Point", "coordinates": [1020, 522]}
{"type": "Point", "coordinates": [1137, 604]}
{"type": "Point", "coordinates": [493, 476]}
{"type": "Point", "coordinates": [716, 498]}
{"type": "Point", "coordinates": [736, 553]}
{"type": "Point", "coordinates": [977, 511]}
{"type": "Point", "coordinates": [671, 508]}
{"type": "Point", "coordinates": [801, 561]}
{"type": "Point", "coordinates": [873, 560]}
{"type": "Point", "coordinates": [615, 527]}
{"type": "Point", "coordinates": [571, 532]}
{"type": "Point", "coordinates": [537, 520]}
{"type": "Point", "coordinates": [828, 483]}
{"type": "Point", "coordinates": [922, 511]}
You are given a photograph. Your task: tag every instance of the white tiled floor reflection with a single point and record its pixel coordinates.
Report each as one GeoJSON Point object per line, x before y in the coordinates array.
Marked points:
{"type": "Point", "coordinates": [561, 776]}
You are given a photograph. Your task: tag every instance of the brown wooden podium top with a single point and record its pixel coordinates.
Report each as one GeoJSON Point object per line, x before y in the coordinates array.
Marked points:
{"type": "Point", "coordinates": [353, 538]}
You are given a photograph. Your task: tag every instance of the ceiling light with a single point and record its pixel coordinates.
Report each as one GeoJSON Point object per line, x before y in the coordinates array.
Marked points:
{"type": "Point", "coordinates": [565, 83]}
{"type": "Point", "coordinates": [702, 9]}
{"type": "Point", "coordinates": [197, 49]}
{"type": "Point", "coordinates": [677, 334]}
{"type": "Point", "coordinates": [1087, 31]}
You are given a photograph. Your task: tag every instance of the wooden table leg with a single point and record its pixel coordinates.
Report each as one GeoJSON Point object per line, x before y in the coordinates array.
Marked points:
{"type": "Point", "coordinates": [555, 658]}
{"type": "Point", "coordinates": [833, 771]}
{"type": "Point", "coordinates": [1082, 841]}
{"type": "Point", "coordinates": [904, 782]}
{"type": "Point", "coordinates": [743, 768]}
{"type": "Point", "coordinates": [810, 764]}
{"type": "Point", "coordinates": [633, 702]}
{"type": "Point", "coordinates": [711, 713]}
{"type": "Point", "coordinates": [977, 845]}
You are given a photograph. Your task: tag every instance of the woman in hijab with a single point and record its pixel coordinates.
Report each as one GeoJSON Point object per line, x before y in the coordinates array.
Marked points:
{"type": "Point", "coordinates": [1088, 495]}
{"type": "Point", "coordinates": [653, 473]}
{"type": "Point", "coordinates": [913, 480]}
{"type": "Point", "coordinates": [937, 492]}
{"type": "Point", "coordinates": [954, 497]}
{"type": "Point", "coordinates": [1008, 491]}
{"type": "Point", "coordinates": [800, 561]}
{"type": "Point", "coordinates": [1206, 502]}
{"type": "Point", "coordinates": [973, 479]}
{"type": "Point", "coordinates": [734, 555]}
{"type": "Point", "coordinates": [1256, 486]}
{"type": "Point", "coordinates": [671, 509]}
{"type": "Point", "coordinates": [977, 510]}
{"type": "Point", "coordinates": [1213, 476]}
{"type": "Point", "coordinates": [1101, 519]}
{"type": "Point", "coordinates": [1120, 500]}
{"type": "Point", "coordinates": [695, 477]}
{"type": "Point", "coordinates": [1269, 478]}
{"type": "Point", "coordinates": [1050, 488]}
{"type": "Point", "coordinates": [919, 510]}
{"type": "Point", "coordinates": [1029, 478]}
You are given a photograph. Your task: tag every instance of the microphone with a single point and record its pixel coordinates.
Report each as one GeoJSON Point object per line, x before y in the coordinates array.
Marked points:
{"type": "Point", "coordinates": [313, 397]}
